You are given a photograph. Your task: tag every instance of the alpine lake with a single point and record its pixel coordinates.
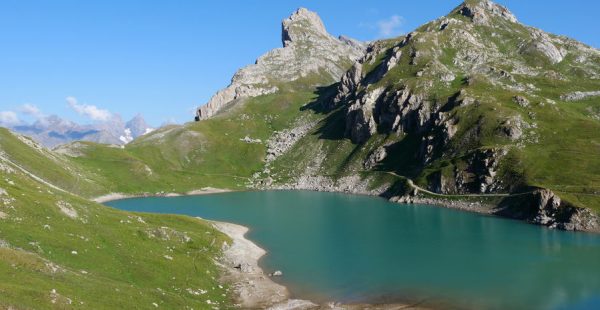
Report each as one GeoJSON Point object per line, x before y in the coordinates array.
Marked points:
{"type": "Point", "coordinates": [360, 249]}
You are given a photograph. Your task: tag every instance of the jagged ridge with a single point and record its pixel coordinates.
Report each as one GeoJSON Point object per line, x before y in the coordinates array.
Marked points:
{"type": "Point", "coordinates": [307, 49]}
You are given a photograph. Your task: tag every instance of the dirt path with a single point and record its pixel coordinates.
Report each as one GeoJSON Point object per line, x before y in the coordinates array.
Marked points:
{"type": "Point", "coordinates": [420, 189]}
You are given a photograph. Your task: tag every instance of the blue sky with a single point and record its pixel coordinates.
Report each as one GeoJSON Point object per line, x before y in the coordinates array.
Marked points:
{"type": "Point", "coordinates": [84, 60]}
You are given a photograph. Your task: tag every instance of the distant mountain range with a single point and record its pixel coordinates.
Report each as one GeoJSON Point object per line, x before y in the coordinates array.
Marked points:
{"type": "Point", "coordinates": [53, 130]}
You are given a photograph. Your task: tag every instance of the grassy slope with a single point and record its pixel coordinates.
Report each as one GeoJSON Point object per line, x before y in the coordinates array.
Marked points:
{"type": "Point", "coordinates": [201, 154]}
{"type": "Point", "coordinates": [565, 158]}
{"type": "Point", "coordinates": [53, 168]}
{"type": "Point", "coordinates": [123, 259]}
{"type": "Point", "coordinates": [120, 260]}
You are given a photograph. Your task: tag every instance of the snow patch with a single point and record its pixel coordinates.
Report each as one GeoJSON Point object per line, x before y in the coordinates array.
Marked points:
{"type": "Point", "coordinates": [67, 209]}
{"type": "Point", "coordinates": [127, 137]}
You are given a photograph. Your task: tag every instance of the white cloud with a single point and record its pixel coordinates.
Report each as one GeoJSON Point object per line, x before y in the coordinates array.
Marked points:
{"type": "Point", "coordinates": [87, 110]}
{"type": "Point", "coordinates": [391, 26]}
{"type": "Point", "coordinates": [9, 118]}
{"type": "Point", "coordinates": [32, 110]}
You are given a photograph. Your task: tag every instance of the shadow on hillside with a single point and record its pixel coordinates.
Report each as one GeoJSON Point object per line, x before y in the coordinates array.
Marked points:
{"type": "Point", "coordinates": [403, 157]}
{"type": "Point", "coordinates": [333, 126]}
{"type": "Point", "coordinates": [322, 104]}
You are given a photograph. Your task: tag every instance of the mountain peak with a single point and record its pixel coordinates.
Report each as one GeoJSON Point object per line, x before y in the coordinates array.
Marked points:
{"type": "Point", "coordinates": [137, 126]}
{"type": "Point", "coordinates": [480, 11]}
{"type": "Point", "coordinates": [307, 49]}
{"type": "Point", "coordinates": [302, 25]}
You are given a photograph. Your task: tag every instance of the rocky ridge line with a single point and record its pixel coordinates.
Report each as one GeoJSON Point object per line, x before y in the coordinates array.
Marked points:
{"type": "Point", "coordinates": [307, 49]}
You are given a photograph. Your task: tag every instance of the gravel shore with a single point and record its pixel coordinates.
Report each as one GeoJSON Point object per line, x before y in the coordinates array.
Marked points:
{"type": "Point", "coordinates": [253, 289]}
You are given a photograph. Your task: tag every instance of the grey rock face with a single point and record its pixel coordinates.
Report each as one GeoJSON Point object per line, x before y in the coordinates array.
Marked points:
{"type": "Point", "coordinates": [375, 158]}
{"type": "Point", "coordinates": [138, 126]}
{"type": "Point", "coordinates": [552, 212]}
{"type": "Point", "coordinates": [579, 95]}
{"type": "Point", "coordinates": [544, 207]}
{"type": "Point", "coordinates": [547, 207]}
{"type": "Point", "coordinates": [284, 140]}
{"type": "Point", "coordinates": [522, 101]}
{"type": "Point", "coordinates": [391, 111]}
{"type": "Point", "coordinates": [294, 28]}
{"type": "Point", "coordinates": [479, 175]}
{"type": "Point", "coordinates": [513, 127]}
{"type": "Point", "coordinates": [582, 220]}
{"type": "Point", "coordinates": [353, 42]}
{"type": "Point", "coordinates": [481, 11]}
{"type": "Point", "coordinates": [360, 124]}
{"type": "Point", "coordinates": [307, 49]}
{"type": "Point", "coordinates": [544, 44]}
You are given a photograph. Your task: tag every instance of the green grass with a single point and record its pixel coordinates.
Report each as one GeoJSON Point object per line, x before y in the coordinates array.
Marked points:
{"type": "Point", "coordinates": [200, 154]}
{"type": "Point", "coordinates": [121, 257]}
{"type": "Point", "coordinates": [126, 260]}
{"type": "Point", "coordinates": [49, 166]}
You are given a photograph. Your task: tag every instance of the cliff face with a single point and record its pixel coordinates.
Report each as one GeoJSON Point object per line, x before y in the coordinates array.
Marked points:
{"type": "Point", "coordinates": [307, 49]}
{"type": "Point", "coordinates": [389, 89]}
{"type": "Point", "coordinates": [468, 87]}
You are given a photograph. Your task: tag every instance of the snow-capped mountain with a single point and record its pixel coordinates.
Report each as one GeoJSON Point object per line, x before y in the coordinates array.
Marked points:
{"type": "Point", "coordinates": [53, 130]}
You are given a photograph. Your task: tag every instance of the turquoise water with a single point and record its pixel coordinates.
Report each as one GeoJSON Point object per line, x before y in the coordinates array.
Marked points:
{"type": "Point", "coordinates": [364, 249]}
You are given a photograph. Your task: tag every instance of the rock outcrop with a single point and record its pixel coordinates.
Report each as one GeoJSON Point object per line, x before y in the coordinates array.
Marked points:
{"type": "Point", "coordinates": [478, 175]}
{"type": "Point", "coordinates": [544, 207]}
{"type": "Point", "coordinates": [480, 11]}
{"type": "Point", "coordinates": [282, 141]}
{"type": "Point", "coordinates": [580, 95]}
{"type": "Point", "coordinates": [307, 49]}
{"type": "Point", "coordinates": [545, 45]}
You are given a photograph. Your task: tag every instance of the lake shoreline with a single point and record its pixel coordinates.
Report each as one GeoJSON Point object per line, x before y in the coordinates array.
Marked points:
{"type": "Point", "coordinates": [478, 207]}
{"type": "Point", "coordinates": [254, 289]}
{"type": "Point", "coordinates": [196, 192]}
{"type": "Point", "coordinates": [251, 287]}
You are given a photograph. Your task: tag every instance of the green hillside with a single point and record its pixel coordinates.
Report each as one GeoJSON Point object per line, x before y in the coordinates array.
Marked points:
{"type": "Point", "coordinates": [58, 250]}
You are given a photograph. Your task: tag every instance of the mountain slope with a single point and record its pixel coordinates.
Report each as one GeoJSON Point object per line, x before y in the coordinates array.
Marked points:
{"type": "Point", "coordinates": [228, 148]}
{"type": "Point", "coordinates": [58, 250]}
{"type": "Point", "coordinates": [473, 102]}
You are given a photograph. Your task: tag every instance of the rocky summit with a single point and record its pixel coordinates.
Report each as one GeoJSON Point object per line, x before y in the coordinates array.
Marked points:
{"type": "Point", "coordinates": [478, 40]}
{"type": "Point", "coordinates": [307, 49]}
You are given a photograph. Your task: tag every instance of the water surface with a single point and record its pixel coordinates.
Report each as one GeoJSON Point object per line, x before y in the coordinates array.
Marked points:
{"type": "Point", "coordinates": [355, 248]}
